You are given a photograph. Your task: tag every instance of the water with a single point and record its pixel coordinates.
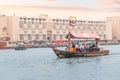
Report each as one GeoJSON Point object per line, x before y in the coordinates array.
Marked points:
{"type": "Point", "coordinates": [42, 64]}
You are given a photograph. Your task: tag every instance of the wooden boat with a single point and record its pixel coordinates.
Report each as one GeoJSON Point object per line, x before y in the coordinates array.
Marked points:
{"type": "Point", "coordinates": [3, 45]}
{"type": "Point", "coordinates": [68, 53]}
{"type": "Point", "coordinates": [20, 47]}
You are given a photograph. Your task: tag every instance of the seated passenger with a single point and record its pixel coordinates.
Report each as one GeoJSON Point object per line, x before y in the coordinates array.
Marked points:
{"type": "Point", "coordinates": [86, 47]}
{"type": "Point", "coordinates": [77, 48]}
{"type": "Point", "coordinates": [81, 48]}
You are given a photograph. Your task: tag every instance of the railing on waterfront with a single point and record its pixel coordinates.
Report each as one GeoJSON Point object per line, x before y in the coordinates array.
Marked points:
{"type": "Point", "coordinates": [39, 44]}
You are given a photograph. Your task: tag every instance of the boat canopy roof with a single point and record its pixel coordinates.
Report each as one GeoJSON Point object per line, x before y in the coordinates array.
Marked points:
{"type": "Point", "coordinates": [83, 35]}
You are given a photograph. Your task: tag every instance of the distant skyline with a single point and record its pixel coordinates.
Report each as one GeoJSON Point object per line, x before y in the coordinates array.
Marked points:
{"type": "Point", "coordinates": [87, 9]}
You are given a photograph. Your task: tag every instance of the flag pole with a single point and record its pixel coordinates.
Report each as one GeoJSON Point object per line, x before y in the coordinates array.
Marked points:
{"type": "Point", "coordinates": [71, 23]}
{"type": "Point", "coordinates": [69, 36]}
{"type": "Point", "coordinates": [69, 41]}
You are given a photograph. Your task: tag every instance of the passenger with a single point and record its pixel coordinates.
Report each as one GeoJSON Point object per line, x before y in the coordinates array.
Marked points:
{"type": "Point", "coordinates": [94, 47]}
{"type": "Point", "coordinates": [91, 47]}
{"type": "Point", "coordinates": [74, 49]}
{"type": "Point", "coordinates": [101, 49]}
{"type": "Point", "coordinates": [71, 49]}
{"type": "Point", "coordinates": [66, 48]}
{"type": "Point", "coordinates": [77, 47]}
{"type": "Point", "coordinates": [87, 47]}
{"type": "Point", "coordinates": [81, 48]}
{"type": "Point", "coordinates": [73, 46]}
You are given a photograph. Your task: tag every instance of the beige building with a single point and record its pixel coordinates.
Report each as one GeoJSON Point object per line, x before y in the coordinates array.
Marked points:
{"type": "Point", "coordinates": [115, 22]}
{"type": "Point", "coordinates": [4, 23]}
{"type": "Point", "coordinates": [44, 28]}
{"type": "Point", "coordinates": [61, 28]}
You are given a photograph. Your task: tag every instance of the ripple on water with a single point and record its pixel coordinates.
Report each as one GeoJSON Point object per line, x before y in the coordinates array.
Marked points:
{"type": "Point", "coordinates": [42, 64]}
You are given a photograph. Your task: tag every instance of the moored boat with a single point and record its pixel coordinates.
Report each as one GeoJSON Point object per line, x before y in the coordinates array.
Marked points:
{"type": "Point", "coordinates": [3, 45]}
{"type": "Point", "coordinates": [20, 47]}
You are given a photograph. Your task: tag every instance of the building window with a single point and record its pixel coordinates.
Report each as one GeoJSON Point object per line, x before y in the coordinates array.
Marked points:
{"type": "Point", "coordinates": [54, 36]}
{"type": "Point", "coordinates": [57, 32]}
{"type": "Point", "coordinates": [79, 25]}
{"type": "Point", "coordinates": [43, 19]}
{"type": "Point", "coordinates": [97, 32]}
{"type": "Point", "coordinates": [20, 18]}
{"type": "Point", "coordinates": [92, 32]}
{"type": "Point", "coordinates": [44, 24]}
{"type": "Point", "coordinates": [39, 22]}
{"type": "Point", "coordinates": [39, 19]}
{"type": "Point", "coordinates": [36, 19]}
{"type": "Point", "coordinates": [40, 32]}
{"type": "Point", "coordinates": [61, 36]}
{"type": "Point", "coordinates": [21, 24]}
{"type": "Point", "coordinates": [21, 37]}
{"type": "Point", "coordinates": [100, 28]}
{"type": "Point", "coordinates": [33, 32]}
{"type": "Point", "coordinates": [24, 22]}
{"type": "Point", "coordinates": [104, 36]}
{"type": "Point", "coordinates": [36, 24]}
{"type": "Point", "coordinates": [54, 25]}
{"type": "Point", "coordinates": [25, 32]}
{"type": "Point", "coordinates": [37, 37]}
{"type": "Point", "coordinates": [53, 19]}
{"type": "Point", "coordinates": [28, 18]}
{"type": "Point", "coordinates": [67, 25]}
{"type": "Point", "coordinates": [25, 18]}
{"type": "Point", "coordinates": [29, 37]}
{"type": "Point", "coordinates": [32, 18]}
{"type": "Point", "coordinates": [44, 37]}
{"type": "Point", "coordinates": [61, 25]}
{"type": "Point", "coordinates": [100, 35]}
{"type": "Point", "coordinates": [32, 22]}
{"type": "Point", "coordinates": [104, 28]}
{"type": "Point", "coordinates": [57, 20]}
{"type": "Point", "coordinates": [64, 32]}
{"type": "Point", "coordinates": [29, 24]}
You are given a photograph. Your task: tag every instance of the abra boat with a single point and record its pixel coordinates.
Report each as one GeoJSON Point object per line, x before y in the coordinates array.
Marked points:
{"type": "Point", "coordinates": [20, 47]}
{"type": "Point", "coordinates": [69, 54]}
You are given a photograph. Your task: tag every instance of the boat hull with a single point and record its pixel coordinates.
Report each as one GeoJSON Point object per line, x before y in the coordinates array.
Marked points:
{"type": "Point", "coordinates": [67, 54]}
{"type": "Point", "coordinates": [20, 48]}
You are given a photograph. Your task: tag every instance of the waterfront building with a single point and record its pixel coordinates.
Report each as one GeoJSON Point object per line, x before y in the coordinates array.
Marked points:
{"type": "Point", "coordinates": [15, 28]}
{"type": "Point", "coordinates": [115, 22]}
{"type": "Point", "coordinates": [61, 28]}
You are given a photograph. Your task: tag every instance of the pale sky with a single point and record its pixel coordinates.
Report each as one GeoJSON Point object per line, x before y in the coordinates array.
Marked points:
{"type": "Point", "coordinates": [86, 9]}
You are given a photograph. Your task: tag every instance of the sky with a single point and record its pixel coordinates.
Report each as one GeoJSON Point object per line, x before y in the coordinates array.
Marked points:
{"type": "Point", "coordinates": [85, 9]}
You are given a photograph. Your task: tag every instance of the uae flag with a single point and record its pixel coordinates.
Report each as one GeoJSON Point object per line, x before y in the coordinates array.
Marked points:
{"type": "Point", "coordinates": [71, 23]}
